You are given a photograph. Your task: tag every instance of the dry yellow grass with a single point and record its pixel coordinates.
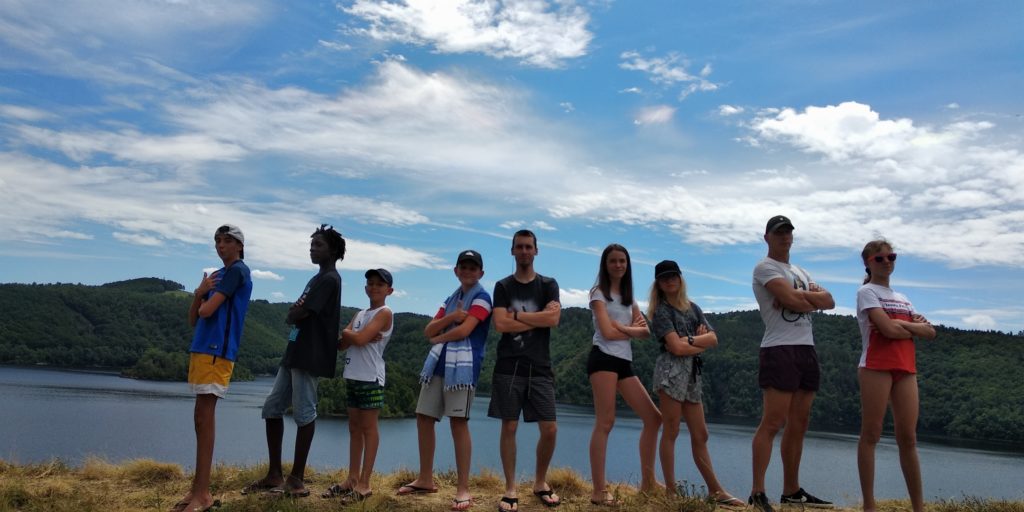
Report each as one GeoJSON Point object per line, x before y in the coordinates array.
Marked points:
{"type": "Point", "coordinates": [150, 485]}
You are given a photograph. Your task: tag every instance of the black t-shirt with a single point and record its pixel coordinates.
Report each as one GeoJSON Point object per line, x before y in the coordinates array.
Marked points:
{"type": "Point", "coordinates": [315, 347]}
{"type": "Point", "coordinates": [530, 349]}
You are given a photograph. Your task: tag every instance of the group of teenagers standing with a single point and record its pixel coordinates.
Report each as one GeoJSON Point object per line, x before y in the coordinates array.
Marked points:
{"type": "Point", "coordinates": [523, 308]}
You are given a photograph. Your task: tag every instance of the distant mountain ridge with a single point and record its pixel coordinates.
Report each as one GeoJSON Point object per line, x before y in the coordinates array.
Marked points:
{"type": "Point", "coordinates": [971, 381]}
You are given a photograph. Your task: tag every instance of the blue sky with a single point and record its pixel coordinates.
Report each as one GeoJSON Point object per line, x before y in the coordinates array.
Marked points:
{"type": "Point", "coordinates": [130, 130]}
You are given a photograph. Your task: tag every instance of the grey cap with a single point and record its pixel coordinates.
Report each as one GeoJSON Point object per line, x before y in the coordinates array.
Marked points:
{"type": "Point", "coordinates": [232, 231]}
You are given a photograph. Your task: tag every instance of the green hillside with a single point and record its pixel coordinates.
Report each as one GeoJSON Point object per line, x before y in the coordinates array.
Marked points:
{"type": "Point", "coordinates": [971, 385]}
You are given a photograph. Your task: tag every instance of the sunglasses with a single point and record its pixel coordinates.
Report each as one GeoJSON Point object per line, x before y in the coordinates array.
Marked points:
{"type": "Point", "coordinates": [891, 257]}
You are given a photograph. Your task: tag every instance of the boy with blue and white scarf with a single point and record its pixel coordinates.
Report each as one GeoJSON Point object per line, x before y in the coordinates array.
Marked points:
{"type": "Point", "coordinates": [457, 334]}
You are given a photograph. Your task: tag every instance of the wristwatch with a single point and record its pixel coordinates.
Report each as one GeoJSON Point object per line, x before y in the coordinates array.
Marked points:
{"type": "Point", "coordinates": [515, 315]}
{"type": "Point", "coordinates": [689, 339]}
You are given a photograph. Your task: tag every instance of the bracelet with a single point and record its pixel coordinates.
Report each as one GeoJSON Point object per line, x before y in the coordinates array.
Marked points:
{"type": "Point", "coordinates": [515, 315]}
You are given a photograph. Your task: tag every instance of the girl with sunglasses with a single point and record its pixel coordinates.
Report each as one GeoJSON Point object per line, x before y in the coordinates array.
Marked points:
{"type": "Point", "coordinates": [887, 371]}
{"type": "Point", "coordinates": [684, 333]}
{"type": "Point", "coordinates": [617, 319]}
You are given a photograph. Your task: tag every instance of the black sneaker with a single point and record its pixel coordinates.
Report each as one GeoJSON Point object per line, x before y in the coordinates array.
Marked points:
{"type": "Point", "coordinates": [759, 501]}
{"type": "Point", "coordinates": [803, 498]}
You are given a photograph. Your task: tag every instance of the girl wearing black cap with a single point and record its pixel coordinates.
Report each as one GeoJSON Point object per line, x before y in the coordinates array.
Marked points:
{"type": "Point", "coordinates": [684, 333]}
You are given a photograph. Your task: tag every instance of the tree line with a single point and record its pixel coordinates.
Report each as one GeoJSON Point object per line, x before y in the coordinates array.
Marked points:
{"type": "Point", "coordinates": [970, 381]}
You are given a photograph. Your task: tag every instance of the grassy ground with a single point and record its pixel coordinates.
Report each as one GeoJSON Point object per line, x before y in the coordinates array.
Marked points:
{"type": "Point", "coordinates": [150, 485]}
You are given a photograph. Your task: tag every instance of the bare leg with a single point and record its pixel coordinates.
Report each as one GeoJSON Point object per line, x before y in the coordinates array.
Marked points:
{"type": "Point", "coordinates": [371, 441]}
{"type": "Point", "coordinates": [635, 395]}
{"type": "Point", "coordinates": [427, 441]}
{"type": "Point", "coordinates": [792, 446]}
{"type": "Point", "coordinates": [303, 442]}
{"type": "Point", "coordinates": [875, 387]}
{"type": "Point", "coordinates": [463, 455]}
{"type": "Point", "coordinates": [905, 409]}
{"type": "Point", "coordinates": [775, 405]}
{"type": "Point", "coordinates": [545, 450]}
{"type": "Point", "coordinates": [671, 415]}
{"type": "Point", "coordinates": [275, 436]}
{"type": "Point", "coordinates": [603, 385]}
{"type": "Point", "coordinates": [507, 449]}
{"type": "Point", "coordinates": [206, 430]}
{"type": "Point", "coordinates": [693, 413]}
{"type": "Point", "coordinates": [355, 447]}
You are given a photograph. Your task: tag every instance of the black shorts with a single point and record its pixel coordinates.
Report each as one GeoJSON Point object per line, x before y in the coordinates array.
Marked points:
{"type": "Point", "coordinates": [789, 368]}
{"type": "Point", "coordinates": [598, 361]}
{"type": "Point", "coordinates": [531, 395]}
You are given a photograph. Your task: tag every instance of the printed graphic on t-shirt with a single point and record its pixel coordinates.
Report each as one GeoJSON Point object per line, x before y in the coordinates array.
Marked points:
{"type": "Point", "coordinates": [793, 316]}
{"type": "Point", "coordinates": [522, 306]}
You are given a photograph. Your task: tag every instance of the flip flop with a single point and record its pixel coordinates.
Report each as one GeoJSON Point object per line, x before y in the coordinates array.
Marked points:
{"type": "Point", "coordinates": [415, 489]}
{"type": "Point", "coordinates": [256, 486]}
{"type": "Point", "coordinates": [729, 501]}
{"type": "Point", "coordinates": [336, 491]}
{"type": "Point", "coordinates": [356, 496]}
{"type": "Point", "coordinates": [513, 504]}
{"type": "Point", "coordinates": [460, 505]}
{"type": "Point", "coordinates": [289, 492]}
{"type": "Point", "coordinates": [546, 499]}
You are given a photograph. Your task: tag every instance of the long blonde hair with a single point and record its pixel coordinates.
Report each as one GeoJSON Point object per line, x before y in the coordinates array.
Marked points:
{"type": "Point", "coordinates": [678, 300]}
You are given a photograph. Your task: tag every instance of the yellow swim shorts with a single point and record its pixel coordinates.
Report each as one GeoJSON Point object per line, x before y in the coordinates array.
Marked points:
{"type": "Point", "coordinates": [209, 375]}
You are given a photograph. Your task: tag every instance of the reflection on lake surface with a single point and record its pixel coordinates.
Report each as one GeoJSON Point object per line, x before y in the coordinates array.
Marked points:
{"type": "Point", "coordinates": [74, 415]}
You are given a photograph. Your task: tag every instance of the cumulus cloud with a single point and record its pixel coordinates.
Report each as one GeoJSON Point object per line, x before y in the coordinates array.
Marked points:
{"type": "Point", "coordinates": [979, 321]}
{"type": "Point", "coordinates": [266, 275]}
{"type": "Point", "coordinates": [670, 70]}
{"type": "Point", "coordinates": [658, 114]}
{"type": "Point", "coordinates": [729, 110]}
{"type": "Point", "coordinates": [537, 33]}
{"type": "Point", "coordinates": [574, 297]}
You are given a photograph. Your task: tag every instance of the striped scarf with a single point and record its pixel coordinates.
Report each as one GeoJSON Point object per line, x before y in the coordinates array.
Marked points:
{"type": "Point", "coordinates": [458, 359]}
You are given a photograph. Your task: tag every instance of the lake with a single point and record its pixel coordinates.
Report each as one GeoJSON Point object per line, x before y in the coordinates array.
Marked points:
{"type": "Point", "coordinates": [74, 415]}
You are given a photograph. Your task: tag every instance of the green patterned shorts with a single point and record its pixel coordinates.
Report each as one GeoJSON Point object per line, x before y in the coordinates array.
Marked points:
{"type": "Point", "coordinates": [364, 395]}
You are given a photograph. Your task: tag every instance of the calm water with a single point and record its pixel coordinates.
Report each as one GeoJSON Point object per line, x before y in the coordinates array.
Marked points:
{"type": "Point", "coordinates": [72, 415]}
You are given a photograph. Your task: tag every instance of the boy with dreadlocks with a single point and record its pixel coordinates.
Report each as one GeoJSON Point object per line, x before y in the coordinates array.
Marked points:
{"type": "Point", "coordinates": [311, 353]}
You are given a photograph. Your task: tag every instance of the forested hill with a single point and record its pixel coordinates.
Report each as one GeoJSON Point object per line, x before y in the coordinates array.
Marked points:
{"type": "Point", "coordinates": [971, 381]}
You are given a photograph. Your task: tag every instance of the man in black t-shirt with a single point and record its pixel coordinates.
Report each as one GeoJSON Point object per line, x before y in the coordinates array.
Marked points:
{"type": "Point", "coordinates": [311, 353]}
{"type": "Point", "coordinates": [526, 307]}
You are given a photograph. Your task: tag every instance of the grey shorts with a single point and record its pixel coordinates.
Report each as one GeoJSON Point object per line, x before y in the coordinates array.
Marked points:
{"type": "Point", "coordinates": [295, 388]}
{"type": "Point", "coordinates": [532, 396]}
{"type": "Point", "coordinates": [437, 403]}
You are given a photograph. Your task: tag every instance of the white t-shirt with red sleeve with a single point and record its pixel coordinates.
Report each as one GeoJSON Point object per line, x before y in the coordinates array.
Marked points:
{"type": "Point", "coordinates": [879, 352]}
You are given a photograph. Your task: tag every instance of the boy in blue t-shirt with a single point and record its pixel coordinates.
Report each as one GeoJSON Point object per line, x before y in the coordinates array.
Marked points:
{"type": "Point", "coordinates": [218, 314]}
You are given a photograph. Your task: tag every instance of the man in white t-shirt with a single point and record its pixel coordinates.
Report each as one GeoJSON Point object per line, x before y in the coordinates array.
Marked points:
{"type": "Point", "coordinates": [788, 372]}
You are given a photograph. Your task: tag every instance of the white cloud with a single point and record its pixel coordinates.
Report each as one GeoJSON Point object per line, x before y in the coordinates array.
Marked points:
{"type": "Point", "coordinates": [574, 297]}
{"type": "Point", "coordinates": [277, 295]}
{"type": "Point", "coordinates": [399, 294]}
{"type": "Point", "coordinates": [567, 106]}
{"type": "Point", "coordinates": [138, 239]}
{"type": "Point", "coordinates": [631, 90]}
{"type": "Point", "coordinates": [24, 113]}
{"type": "Point", "coordinates": [334, 45]}
{"type": "Point", "coordinates": [979, 321]}
{"type": "Point", "coordinates": [73, 235]}
{"type": "Point", "coordinates": [535, 32]}
{"type": "Point", "coordinates": [87, 39]}
{"type": "Point", "coordinates": [729, 110]}
{"type": "Point", "coordinates": [266, 275]}
{"type": "Point", "coordinates": [669, 71]}
{"type": "Point", "coordinates": [512, 224]}
{"type": "Point", "coordinates": [544, 226]}
{"type": "Point", "coordinates": [953, 106]}
{"type": "Point", "coordinates": [658, 114]}
{"type": "Point", "coordinates": [367, 210]}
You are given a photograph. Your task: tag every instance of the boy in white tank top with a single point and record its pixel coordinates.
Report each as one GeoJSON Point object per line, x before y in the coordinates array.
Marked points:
{"type": "Point", "coordinates": [364, 340]}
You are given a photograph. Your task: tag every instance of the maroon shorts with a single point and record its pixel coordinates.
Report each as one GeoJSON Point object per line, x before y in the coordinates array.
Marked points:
{"type": "Point", "coordinates": [789, 368]}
